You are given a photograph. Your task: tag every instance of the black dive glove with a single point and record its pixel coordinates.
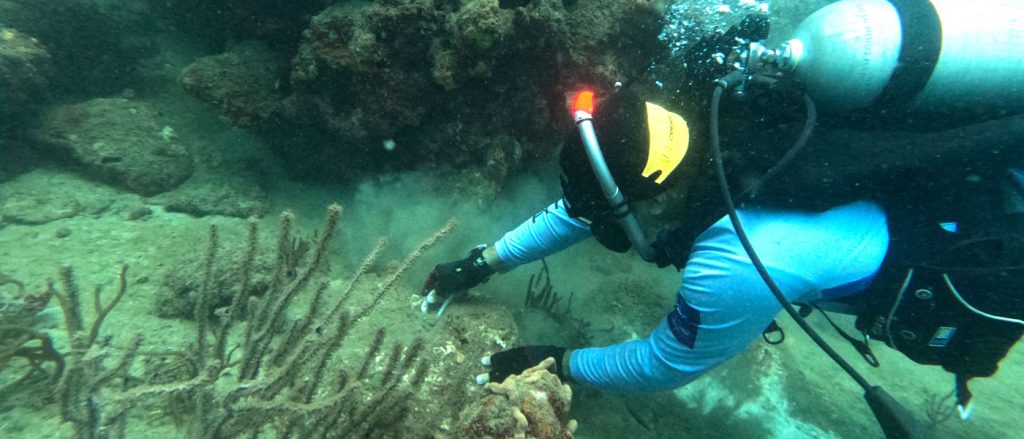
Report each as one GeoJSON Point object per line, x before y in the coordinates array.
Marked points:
{"type": "Point", "coordinates": [516, 360]}
{"type": "Point", "coordinates": [460, 275]}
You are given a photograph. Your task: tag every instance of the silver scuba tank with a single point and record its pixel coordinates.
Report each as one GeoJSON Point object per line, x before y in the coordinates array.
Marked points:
{"type": "Point", "coordinates": [948, 56]}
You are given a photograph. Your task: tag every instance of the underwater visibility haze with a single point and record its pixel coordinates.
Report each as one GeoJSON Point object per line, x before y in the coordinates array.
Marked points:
{"type": "Point", "coordinates": [373, 218]}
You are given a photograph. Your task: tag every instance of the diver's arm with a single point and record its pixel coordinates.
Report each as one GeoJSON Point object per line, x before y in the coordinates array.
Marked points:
{"type": "Point", "coordinates": [545, 233]}
{"type": "Point", "coordinates": [723, 304]}
{"type": "Point", "coordinates": [491, 258]}
{"type": "Point", "coordinates": [549, 231]}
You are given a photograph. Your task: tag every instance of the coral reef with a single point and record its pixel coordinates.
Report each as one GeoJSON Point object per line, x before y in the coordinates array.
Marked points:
{"type": "Point", "coordinates": [282, 382]}
{"type": "Point", "coordinates": [368, 62]}
{"type": "Point", "coordinates": [87, 372]}
{"type": "Point", "coordinates": [541, 295]}
{"type": "Point", "coordinates": [533, 404]}
{"type": "Point", "coordinates": [181, 288]}
{"type": "Point", "coordinates": [118, 141]}
{"type": "Point", "coordinates": [468, 84]}
{"type": "Point", "coordinates": [242, 81]}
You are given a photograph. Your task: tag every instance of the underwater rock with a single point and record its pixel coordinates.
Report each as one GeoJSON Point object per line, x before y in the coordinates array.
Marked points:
{"type": "Point", "coordinates": [226, 195]}
{"type": "Point", "coordinates": [370, 62]}
{"type": "Point", "coordinates": [481, 26]}
{"type": "Point", "coordinates": [442, 78]}
{"type": "Point", "coordinates": [95, 44]}
{"type": "Point", "coordinates": [25, 72]}
{"type": "Point", "coordinates": [534, 404]}
{"type": "Point", "coordinates": [181, 285]}
{"type": "Point", "coordinates": [139, 213]}
{"type": "Point", "coordinates": [117, 141]}
{"type": "Point", "coordinates": [242, 81]}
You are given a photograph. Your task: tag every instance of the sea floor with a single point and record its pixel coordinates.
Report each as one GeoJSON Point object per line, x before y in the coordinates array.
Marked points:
{"type": "Point", "coordinates": [791, 390]}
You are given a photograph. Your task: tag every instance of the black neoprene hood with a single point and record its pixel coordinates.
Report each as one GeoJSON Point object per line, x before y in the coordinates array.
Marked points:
{"type": "Point", "coordinates": [620, 122]}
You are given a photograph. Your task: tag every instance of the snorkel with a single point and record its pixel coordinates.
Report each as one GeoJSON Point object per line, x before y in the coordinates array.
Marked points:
{"type": "Point", "coordinates": [582, 115]}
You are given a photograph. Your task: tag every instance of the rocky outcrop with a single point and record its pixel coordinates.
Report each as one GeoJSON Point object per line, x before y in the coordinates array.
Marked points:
{"type": "Point", "coordinates": [441, 78]}
{"type": "Point", "coordinates": [241, 81]}
{"type": "Point", "coordinates": [117, 141]}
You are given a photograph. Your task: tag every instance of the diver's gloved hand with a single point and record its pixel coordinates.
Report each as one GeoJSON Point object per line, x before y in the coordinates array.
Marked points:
{"type": "Point", "coordinates": [516, 360]}
{"type": "Point", "coordinates": [453, 277]}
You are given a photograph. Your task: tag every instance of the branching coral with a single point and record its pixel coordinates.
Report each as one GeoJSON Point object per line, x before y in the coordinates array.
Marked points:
{"type": "Point", "coordinates": [87, 373]}
{"type": "Point", "coordinates": [541, 295]}
{"type": "Point", "coordinates": [19, 340]}
{"type": "Point", "coordinates": [283, 382]}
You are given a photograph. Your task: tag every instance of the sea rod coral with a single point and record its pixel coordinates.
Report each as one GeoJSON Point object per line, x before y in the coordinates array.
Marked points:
{"type": "Point", "coordinates": [274, 376]}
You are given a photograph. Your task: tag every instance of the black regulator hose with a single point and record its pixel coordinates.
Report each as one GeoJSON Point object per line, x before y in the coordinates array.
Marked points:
{"type": "Point", "coordinates": [894, 419]}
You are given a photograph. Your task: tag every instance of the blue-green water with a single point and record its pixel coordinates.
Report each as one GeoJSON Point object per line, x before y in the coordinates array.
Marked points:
{"type": "Point", "coordinates": [130, 128]}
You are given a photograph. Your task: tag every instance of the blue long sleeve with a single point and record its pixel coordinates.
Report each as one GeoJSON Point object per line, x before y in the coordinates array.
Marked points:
{"type": "Point", "coordinates": [549, 231]}
{"type": "Point", "coordinates": [723, 304]}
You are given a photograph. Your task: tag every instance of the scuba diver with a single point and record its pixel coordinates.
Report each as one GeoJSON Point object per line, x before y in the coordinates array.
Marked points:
{"type": "Point", "coordinates": [889, 211]}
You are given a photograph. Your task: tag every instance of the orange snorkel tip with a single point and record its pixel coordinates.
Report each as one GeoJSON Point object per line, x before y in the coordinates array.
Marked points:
{"type": "Point", "coordinates": [584, 101]}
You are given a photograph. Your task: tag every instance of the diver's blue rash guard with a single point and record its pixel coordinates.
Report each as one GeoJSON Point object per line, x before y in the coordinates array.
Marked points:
{"type": "Point", "coordinates": [549, 231]}
{"type": "Point", "coordinates": [723, 304]}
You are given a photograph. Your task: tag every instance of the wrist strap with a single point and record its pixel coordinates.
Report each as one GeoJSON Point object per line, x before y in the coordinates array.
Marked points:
{"type": "Point", "coordinates": [480, 263]}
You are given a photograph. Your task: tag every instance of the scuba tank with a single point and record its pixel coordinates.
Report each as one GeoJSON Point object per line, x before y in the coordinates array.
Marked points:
{"type": "Point", "coordinates": [920, 56]}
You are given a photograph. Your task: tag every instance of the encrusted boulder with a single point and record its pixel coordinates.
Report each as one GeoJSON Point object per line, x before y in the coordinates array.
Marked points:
{"type": "Point", "coordinates": [242, 81]}
{"type": "Point", "coordinates": [534, 404]}
{"type": "Point", "coordinates": [117, 141]}
{"type": "Point", "coordinates": [370, 62]}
